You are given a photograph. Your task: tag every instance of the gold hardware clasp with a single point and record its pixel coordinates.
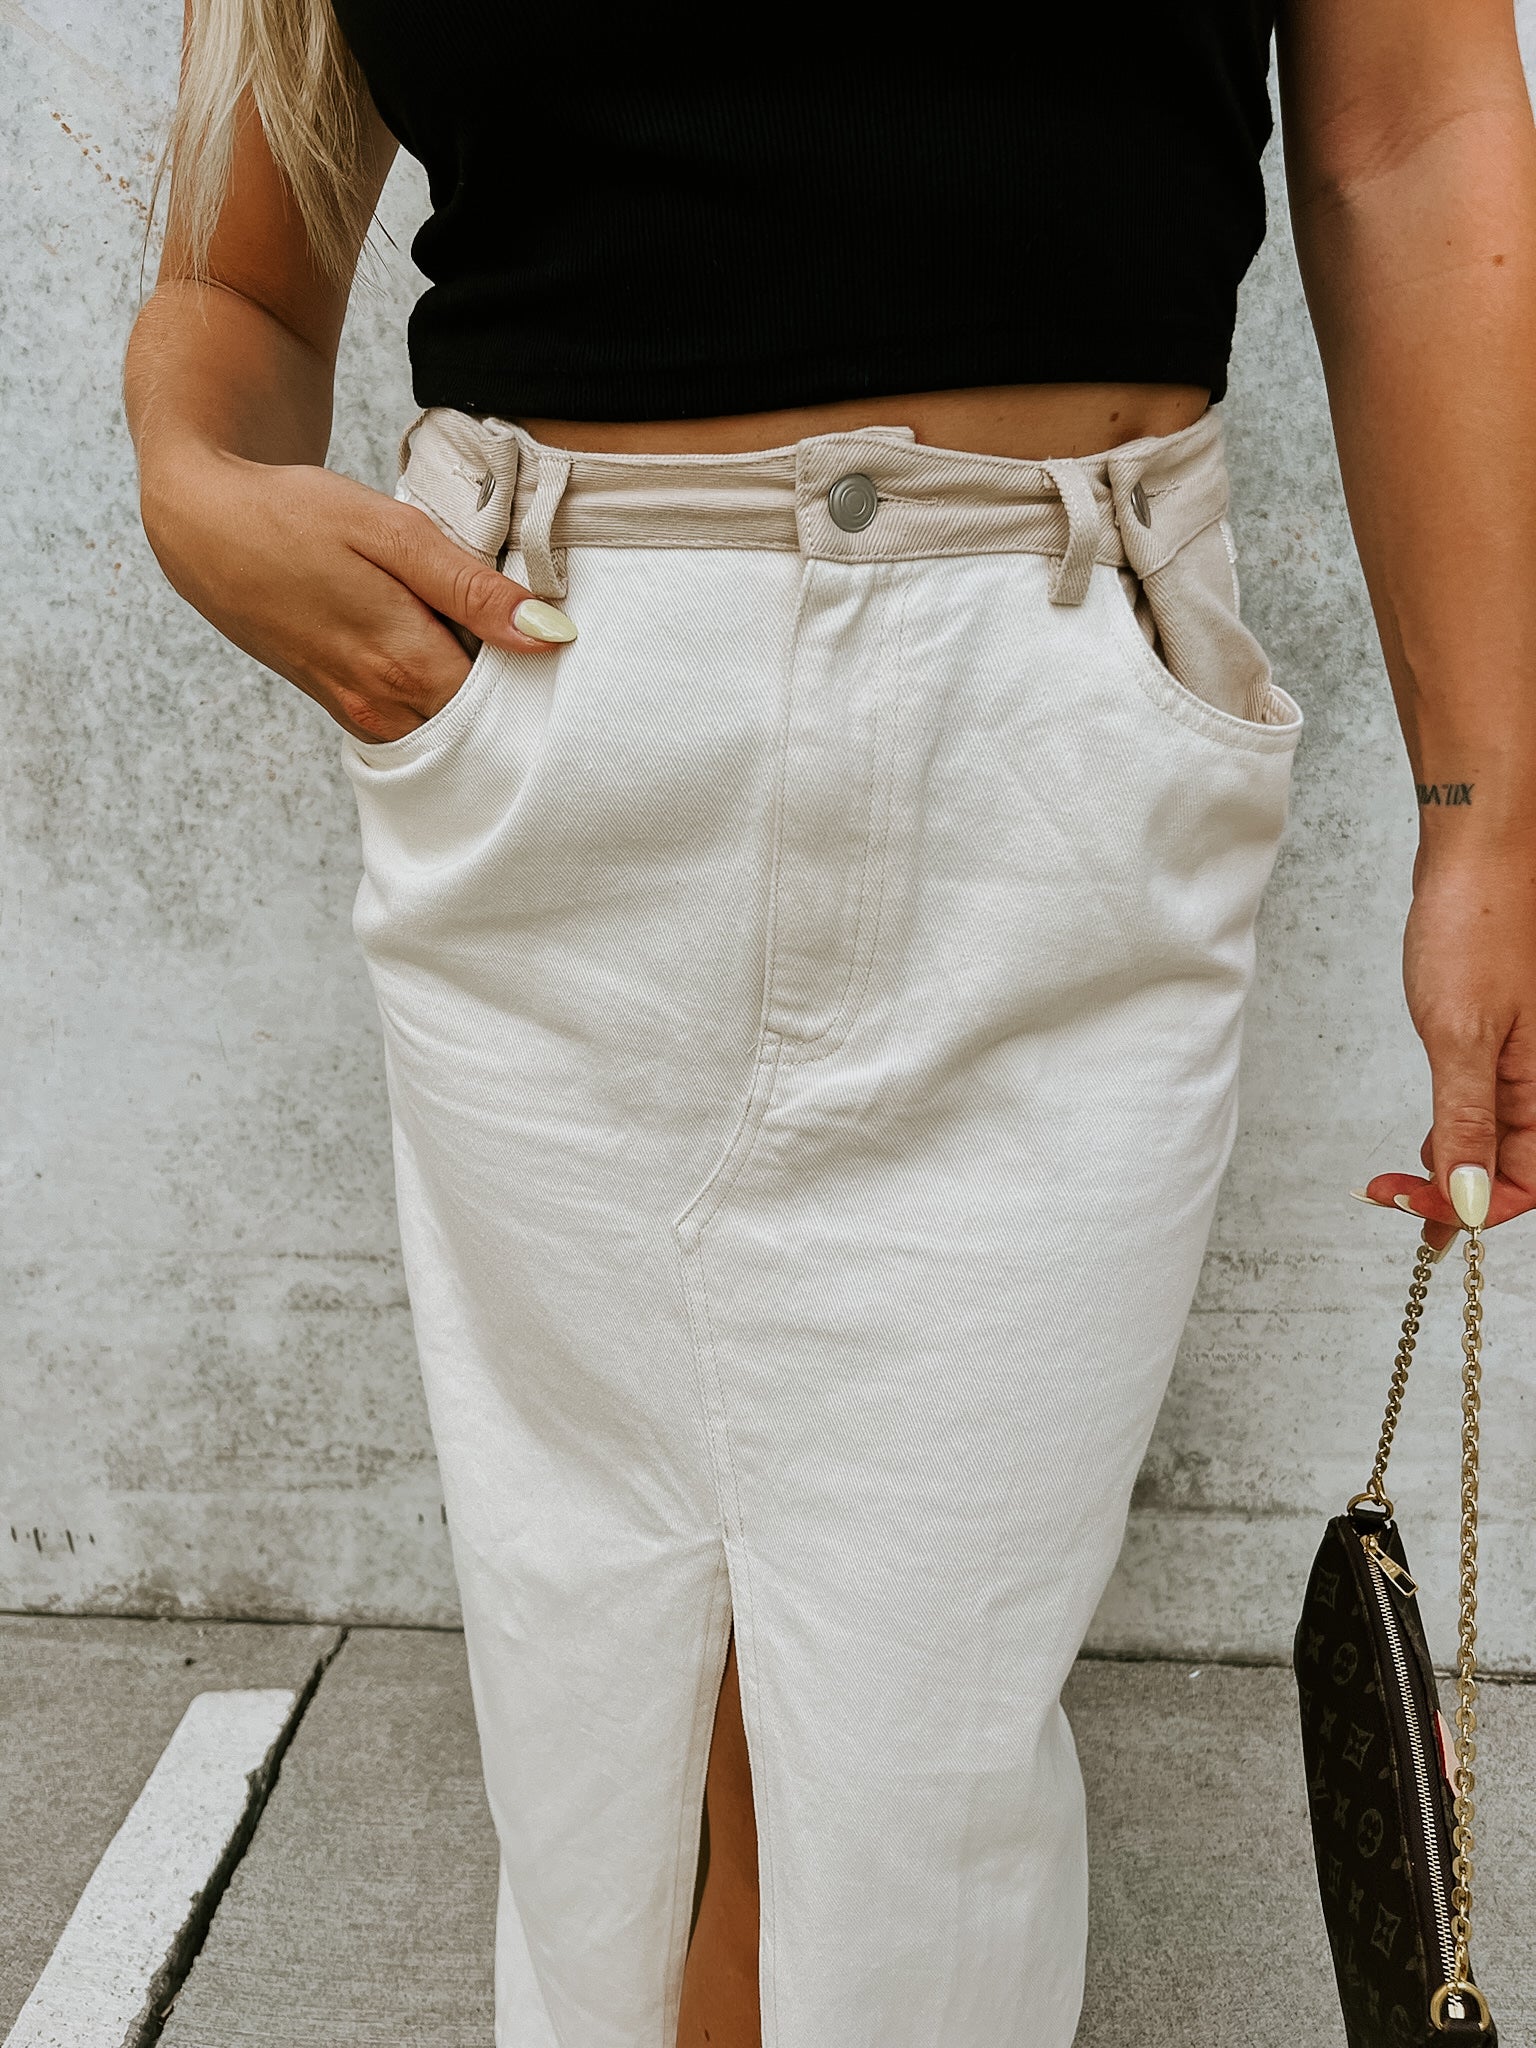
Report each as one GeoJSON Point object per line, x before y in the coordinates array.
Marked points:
{"type": "Point", "coordinates": [1469, 1995]}
{"type": "Point", "coordinates": [1376, 1495]}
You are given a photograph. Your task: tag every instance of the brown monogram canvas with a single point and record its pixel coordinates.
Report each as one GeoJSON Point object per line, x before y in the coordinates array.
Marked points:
{"type": "Point", "coordinates": [1361, 1791]}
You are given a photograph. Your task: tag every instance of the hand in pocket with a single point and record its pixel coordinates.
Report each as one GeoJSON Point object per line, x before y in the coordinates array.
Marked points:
{"type": "Point", "coordinates": [349, 595]}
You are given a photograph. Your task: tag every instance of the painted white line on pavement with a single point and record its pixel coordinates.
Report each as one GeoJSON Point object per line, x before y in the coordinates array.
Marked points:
{"type": "Point", "coordinates": [108, 1965]}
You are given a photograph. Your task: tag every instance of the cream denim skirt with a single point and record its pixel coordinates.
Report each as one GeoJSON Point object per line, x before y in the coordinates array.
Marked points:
{"type": "Point", "coordinates": [812, 1003]}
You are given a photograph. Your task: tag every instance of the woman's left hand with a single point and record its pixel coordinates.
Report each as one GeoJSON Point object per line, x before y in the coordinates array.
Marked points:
{"type": "Point", "coordinates": [1469, 972]}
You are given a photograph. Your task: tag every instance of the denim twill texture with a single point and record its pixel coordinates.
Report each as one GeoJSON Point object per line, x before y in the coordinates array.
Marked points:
{"type": "Point", "coordinates": [812, 1005]}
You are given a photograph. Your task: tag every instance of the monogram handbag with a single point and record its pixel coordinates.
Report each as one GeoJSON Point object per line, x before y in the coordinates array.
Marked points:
{"type": "Point", "coordinates": [1390, 1785]}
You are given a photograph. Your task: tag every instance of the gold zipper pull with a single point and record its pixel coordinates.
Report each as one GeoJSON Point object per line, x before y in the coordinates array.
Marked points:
{"type": "Point", "coordinates": [1397, 1577]}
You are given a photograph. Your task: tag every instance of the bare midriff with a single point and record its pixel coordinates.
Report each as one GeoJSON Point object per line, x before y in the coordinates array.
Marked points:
{"type": "Point", "coordinates": [1029, 421]}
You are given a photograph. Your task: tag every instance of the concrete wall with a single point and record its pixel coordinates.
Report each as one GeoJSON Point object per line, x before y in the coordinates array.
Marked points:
{"type": "Point", "coordinates": [209, 1395]}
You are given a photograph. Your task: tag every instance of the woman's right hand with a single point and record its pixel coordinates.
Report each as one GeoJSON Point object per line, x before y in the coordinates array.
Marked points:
{"type": "Point", "coordinates": [336, 587]}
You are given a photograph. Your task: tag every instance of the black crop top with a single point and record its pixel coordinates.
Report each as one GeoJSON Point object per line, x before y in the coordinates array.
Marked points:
{"type": "Point", "coordinates": [641, 215]}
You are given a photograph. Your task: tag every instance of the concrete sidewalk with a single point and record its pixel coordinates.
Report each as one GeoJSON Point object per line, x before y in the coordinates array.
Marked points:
{"type": "Point", "coordinates": [360, 1914]}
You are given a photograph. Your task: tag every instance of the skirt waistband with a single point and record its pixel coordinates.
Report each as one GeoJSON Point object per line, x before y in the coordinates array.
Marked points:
{"type": "Point", "coordinates": [872, 495]}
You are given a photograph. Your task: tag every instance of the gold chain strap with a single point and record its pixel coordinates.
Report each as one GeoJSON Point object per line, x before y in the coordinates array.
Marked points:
{"type": "Point", "coordinates": [1418, 1288]}
{"type": "Point", "coordinates": [1466, 1633]}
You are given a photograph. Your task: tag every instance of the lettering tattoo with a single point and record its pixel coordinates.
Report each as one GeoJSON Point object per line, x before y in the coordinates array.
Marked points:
{"type": "Point", "coordinates": [1443, 793]}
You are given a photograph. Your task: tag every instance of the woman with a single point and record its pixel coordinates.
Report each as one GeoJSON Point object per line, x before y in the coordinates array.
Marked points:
{"type": "Point", "coordinates": [812, 996]}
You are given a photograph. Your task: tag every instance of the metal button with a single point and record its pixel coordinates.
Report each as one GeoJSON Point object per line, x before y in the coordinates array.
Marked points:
{"type": "Point", "coordinates": [852, 501]}
{"type": "Point", "coordinates": [1139, 503]}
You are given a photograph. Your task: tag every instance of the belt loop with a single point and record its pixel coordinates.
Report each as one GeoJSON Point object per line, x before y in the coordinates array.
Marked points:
{"type": "Point", "coordinates": [1069, 577]}
{"type": "Point", "coordinates": [543, 562]}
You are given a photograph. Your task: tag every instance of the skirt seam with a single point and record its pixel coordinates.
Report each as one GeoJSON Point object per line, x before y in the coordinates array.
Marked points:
{"type": "Point", "coordinates": [877, 842]}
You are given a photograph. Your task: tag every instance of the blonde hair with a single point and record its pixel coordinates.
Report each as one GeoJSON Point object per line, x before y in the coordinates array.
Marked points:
{"type": "Point", "coordinates": [308, 90]}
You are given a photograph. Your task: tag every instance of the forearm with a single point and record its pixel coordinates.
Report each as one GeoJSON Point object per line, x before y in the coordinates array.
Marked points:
{"type": "Point", "coordinates": [210, 372]}
{"type": "Point", "coordinates": [1421, 277]}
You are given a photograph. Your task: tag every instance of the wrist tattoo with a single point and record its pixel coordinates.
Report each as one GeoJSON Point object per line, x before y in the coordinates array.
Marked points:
{"type": "Point", "coordinates": [1443, 793]}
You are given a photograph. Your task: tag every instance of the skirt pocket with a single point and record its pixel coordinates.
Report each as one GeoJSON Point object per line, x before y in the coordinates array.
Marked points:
{"type": "Point", "coordinates": [446, 723]}
{"type": "Point", "coordinates": [1191, 651]}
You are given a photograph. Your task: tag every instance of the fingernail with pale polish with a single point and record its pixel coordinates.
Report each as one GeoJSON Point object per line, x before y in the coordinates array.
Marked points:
{"type": "Point", "coordinates": [1403, 1202]}
{"type": "Point", "coordinates": [541, 621]}
{"type": "Point", "coordinates": [1471, 1191]}
{"type": "Point", "coordinates": [1438, 1251]}
{"type": "Point", "coordinates": [1361, 1196]}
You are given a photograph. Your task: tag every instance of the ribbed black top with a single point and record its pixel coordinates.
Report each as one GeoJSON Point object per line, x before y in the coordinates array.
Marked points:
{"type": "Point", "coordinates": [626, 225]}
